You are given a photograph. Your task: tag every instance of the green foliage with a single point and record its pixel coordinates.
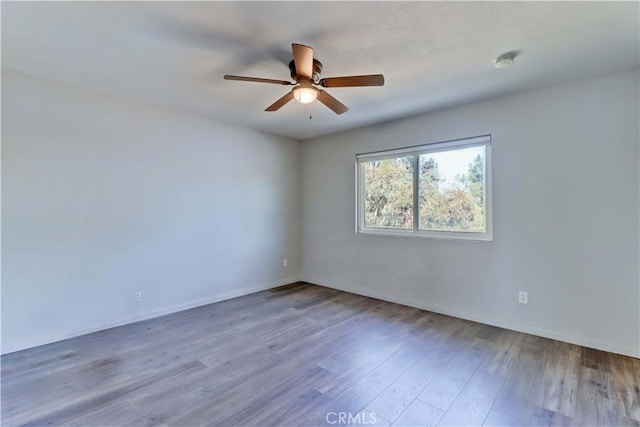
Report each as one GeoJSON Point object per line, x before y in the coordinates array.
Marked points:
{"type": "Point", "coordinates": [389, 193]}
{"type": "Point", "coordinates": [474, 180]}
{"type": "Point", "coordinates": [444, 206]}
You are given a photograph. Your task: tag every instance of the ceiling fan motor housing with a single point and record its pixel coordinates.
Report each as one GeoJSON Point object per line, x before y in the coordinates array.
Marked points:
{"type": "Point", "coordinates": [315, 76]}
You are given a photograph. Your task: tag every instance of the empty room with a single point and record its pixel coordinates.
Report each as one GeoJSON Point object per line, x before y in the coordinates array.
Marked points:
{"type": "Point", "coordinates": [320, 214]}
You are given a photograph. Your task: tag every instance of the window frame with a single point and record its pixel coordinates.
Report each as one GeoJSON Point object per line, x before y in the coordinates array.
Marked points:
{"type": "Point", "coordinates": [416, 152]}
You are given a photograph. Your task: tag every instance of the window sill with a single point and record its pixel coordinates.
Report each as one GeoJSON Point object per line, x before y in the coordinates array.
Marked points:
{"type": "Point", "coordinates": [439, 235]}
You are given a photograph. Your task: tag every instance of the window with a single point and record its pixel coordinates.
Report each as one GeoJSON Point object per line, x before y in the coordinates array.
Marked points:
{"type": "Point", "coordinates": [440, 190]}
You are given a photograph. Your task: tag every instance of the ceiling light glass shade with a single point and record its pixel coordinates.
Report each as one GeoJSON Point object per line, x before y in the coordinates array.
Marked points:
{"type": "Point", "coordinates": [305, 95]}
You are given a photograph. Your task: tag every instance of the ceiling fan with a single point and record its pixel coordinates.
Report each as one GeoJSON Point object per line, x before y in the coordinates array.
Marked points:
{"type": "Point", "coordinates": [305, 70]}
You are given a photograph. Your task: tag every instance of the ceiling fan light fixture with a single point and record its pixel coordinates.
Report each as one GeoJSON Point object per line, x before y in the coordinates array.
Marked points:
{"type": "Point", "coordinates": [305, 94]}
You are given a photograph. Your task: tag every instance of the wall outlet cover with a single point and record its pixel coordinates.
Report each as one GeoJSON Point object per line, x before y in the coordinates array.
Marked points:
{"type": "Point", "coordinates": [523, 297]}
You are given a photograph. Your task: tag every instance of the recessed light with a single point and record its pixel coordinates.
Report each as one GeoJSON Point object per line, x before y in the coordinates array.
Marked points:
{"type": "Point", "coordinates": [503, 61]}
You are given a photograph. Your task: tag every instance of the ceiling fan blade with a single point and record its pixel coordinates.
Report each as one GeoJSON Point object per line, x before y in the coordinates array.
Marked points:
{"type": "Point", "coordinates": [257, 80]}
{"type": "Point", "coordinates": [303, 58]}
{"type": "Point", "coordinates": [353, 81]}
{"type": "Point", "coordinates": [280, 102]}
{"type": "Point", "coordinates": [333, 104]}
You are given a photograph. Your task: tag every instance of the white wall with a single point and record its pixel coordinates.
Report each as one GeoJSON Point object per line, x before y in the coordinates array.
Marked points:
{"type": "Point", "coordinates": [565, 208]}
{"type": "Point", "coordinates": [102, 198]}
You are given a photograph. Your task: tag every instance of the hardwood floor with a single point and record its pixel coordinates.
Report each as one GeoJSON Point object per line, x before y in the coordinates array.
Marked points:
{"type": "Point", "coordinates": [307, 355]}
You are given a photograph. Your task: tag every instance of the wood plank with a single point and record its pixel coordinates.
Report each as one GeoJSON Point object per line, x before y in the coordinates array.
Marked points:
{"type": "Point", "coordinates": [444, 389]}
{"type": "Point", "coordinates": [244, 396]}
{"type": "Point", "coordinates": [473, 404]}
{"type": "Point", "coordinates": [295, 398]}
{"type": "Point", "coordinates": [419, 414]}
{"type": "Point", "coordinates": [536, 418]}
{"type": "Point", "coordinates": [355, 398]}
{"type": "Point", "coordinates": [626, 378]}
{"type": "Point", "coordinates": [559, 379]}
{"type": "Point", "coordinates": [289, 356]}
{"type": "Point", "coordinates": [522, 386]}
{"type": "Point", "coordinates": [396, 398]}
{"type": "Point", "coordinates": [504, 348]}
{"type": "Point", "coordinates": [596, 404]}
{"type": "Point", "coordinates": [70, 411]}
{"type": "Point", "coordinates": [498, 419]}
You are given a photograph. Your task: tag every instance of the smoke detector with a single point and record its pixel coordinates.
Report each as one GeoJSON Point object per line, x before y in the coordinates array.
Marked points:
{"type": "Point", "coordinates": [503, 61]}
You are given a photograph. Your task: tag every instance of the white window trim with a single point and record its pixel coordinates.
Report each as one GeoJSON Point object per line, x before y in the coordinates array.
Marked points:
{"type": "Point", "coordinates": [416, 151]}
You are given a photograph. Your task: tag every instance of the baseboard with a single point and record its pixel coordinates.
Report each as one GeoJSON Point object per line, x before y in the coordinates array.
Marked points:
{"type": "Point", "coordinates": [585, 342]}
{"type": "Point", "coordinates": [50, 338]}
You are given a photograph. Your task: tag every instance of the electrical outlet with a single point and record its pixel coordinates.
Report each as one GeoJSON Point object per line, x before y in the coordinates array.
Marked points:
{"type": "Point", "coordinates": [523, 297]}
{"type": "Point", "coordinates": [138, 296]}
{"type": "Point", "coordinates": [285, 262]}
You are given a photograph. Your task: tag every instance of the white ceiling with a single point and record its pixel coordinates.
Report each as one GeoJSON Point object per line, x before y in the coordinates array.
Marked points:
{"type": "Point", "coordinates": [433, 54]}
